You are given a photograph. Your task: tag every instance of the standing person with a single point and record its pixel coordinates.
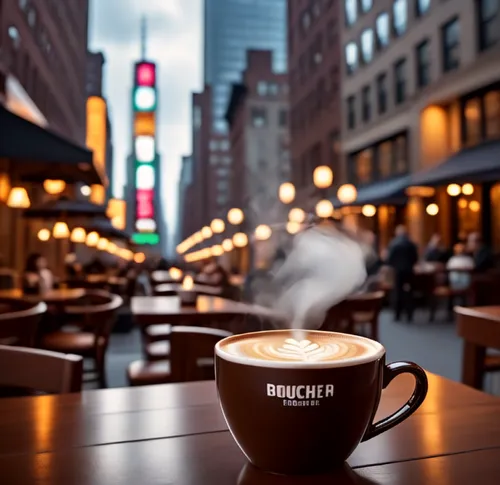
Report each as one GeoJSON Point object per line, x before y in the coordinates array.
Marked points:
{"type": "Point", "coordinates": [483, 258]}
{"type": "Point", "coordinates": [402, 257]}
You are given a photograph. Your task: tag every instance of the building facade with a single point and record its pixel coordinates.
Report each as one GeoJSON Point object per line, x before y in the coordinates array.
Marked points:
{"type": "Point", "coordinates": [314, 59]}
{"type": "Point", "coordinates": [43, 62]}
{"type": "Point", "coordinates": [231, 28]}
{"type": "Point", "coordinates": [259, 135]}
{"type": "Point", "coordinates": [185, 225]}
{"type": "Point", "coordinates": [420, 82]}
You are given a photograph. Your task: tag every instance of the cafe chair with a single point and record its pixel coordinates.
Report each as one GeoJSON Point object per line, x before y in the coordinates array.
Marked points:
{"type": "Point", "coordinates": [40, 370]}
{"type": "Point", "coordinates": [191, 358]}
{"type": "Point", "coordinates": [19, 321]}
{"type": "Point", "coordinates": [95, 316]}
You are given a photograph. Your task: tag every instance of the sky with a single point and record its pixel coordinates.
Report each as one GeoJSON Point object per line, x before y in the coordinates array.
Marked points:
{"type": "Point", "coordinates": [174, 42]}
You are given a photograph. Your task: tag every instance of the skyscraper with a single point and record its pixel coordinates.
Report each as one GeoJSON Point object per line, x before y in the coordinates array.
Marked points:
{"type": "Point", "coordinates": [231, 28]}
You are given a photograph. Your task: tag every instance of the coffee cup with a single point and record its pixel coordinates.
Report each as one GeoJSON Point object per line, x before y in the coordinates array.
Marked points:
{"type": "Point", "coordinates": [300, 402]}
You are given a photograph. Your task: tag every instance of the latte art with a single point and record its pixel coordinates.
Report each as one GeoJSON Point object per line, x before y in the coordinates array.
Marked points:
{"type": "Point", "coordinates": [307, 347]}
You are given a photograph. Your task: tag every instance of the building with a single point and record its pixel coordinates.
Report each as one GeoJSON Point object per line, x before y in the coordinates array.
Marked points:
{"type": "Point", "coordinates": [259, 136]}
{"type": "Point", "coordinates": [43, 61]}
{"type": "Point", "coordinates": [94, 89]}
{"type": "Point", "coordinates": [421, 86]}
{"type": "Point", "coordinates": [185, 196]}
{"type": "Point", "coordinates": [231, 28]}
{"type": "Point", "coordinates": [314, 60]}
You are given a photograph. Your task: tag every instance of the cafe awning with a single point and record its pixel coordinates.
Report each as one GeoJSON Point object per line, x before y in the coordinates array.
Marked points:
{"type": "Point", "coordinates": [64, 208]}
{"type": "Point", "coordinates": [390, 191]}
{"type": "Point", "coordinates": [480, 163]}
{"type": "Point", "coordinates": [35, 154]}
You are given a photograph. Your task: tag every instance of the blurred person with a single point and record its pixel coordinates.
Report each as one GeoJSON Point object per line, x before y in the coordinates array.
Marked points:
{"type": "Point", "coordinates": [37, 277]}
{"type": "Point", "coordinates": [402, 257]}
{"type": "Point", "coordinates": [95, 266]}
{"type": "Point", "coordinates": [435, 252]}
{"type": "Point", "coordinates": [74, 269]}
{"type": "Point", "coordinates": [459, 266]}
{"type": "Point", "coordinates": [482, 255]}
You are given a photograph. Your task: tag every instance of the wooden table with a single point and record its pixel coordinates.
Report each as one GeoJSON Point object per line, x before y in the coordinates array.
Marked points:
{"type": "Point", "coordinates": [51, 297]}
{"type": "Point", "coordinates": [175, 434]}
{"type": "Point", "coordinates": [199, 289]}
{"type": "Point", "coordinates": [480, 329]}
{"type": "Point", "coordinates": [168, 309]}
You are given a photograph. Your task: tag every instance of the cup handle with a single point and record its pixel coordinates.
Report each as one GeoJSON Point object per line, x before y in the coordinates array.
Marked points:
{"type": "Point", "coordinates": [417, 398]}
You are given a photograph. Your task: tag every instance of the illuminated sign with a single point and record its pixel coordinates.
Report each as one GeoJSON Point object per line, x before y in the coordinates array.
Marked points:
{"type": "Point", "coordinates": [144, 99]}
{"type": "Point", "coordinates": [144, 124]}
{"type": "Point", "coordinates": [96, 134]}
{"type": "Point", "coordinates": [145, 149]}
{"type": "Point", "coordinates": [145, 177]}
{"type": "Point", "coordinates": [145, 74]}
{"type": "Point", "coordinates": [144, 128]}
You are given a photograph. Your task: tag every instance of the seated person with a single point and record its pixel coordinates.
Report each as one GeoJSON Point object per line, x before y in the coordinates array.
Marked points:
{"type": "Point", "coordinates": [460, 266]}
{"type": "Point", "coordinates": [37, 277]}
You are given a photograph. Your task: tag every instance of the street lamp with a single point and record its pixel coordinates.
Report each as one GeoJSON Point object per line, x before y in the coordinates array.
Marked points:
{"type": "Point", "coordinates": [78, 235]}
{"type": "Point", "coordinates": [217, 226]}
{"type": "Point", "coordinates": [324, 209]}
{"type": "Point", "coordinates": [297, 215]}
{"type": "Point", "coordinates": [206, 232]}
{"type": "Point", "coordinates": [286, 193]}
{"type": "Point", "coordinates": [240, 240]}
{"type": "Point", "coordinates": [54, 187]}
{"type": "Point", "coordinates": [368, 210]}
{"type": "Point", "coordinates": [432, 209]}
{"type": "Point", "coordinates": [263, 232]}
{"type": "Point", "coordinates": [323, 177]}
{"type": "Point", "coordinates": [347, 193]}
{"type": "Point", "coordinates": [453, 190]}
{"type": "Point", "coordinates": [60, 231]}
{"type": "Point", "coordinates": [92, 239]}
{"type": "Point", "coordinates": [235, 217]}
{"type": "Point", "coordinates": [44, 235]}
{"type": "Point", "coordinates": [18, 198]}
{"type": "Point", "coordinates": [227, 245]}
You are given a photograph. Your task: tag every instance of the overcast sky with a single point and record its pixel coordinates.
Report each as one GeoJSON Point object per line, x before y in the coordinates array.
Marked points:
{"type": "Point", "coordinates": [175, 44]}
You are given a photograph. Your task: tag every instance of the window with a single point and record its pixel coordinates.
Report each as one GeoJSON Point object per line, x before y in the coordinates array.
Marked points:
{"type": "Point", "coordinates": [351, 112]}
{"type": "Point", "coordinates": [318, 49]}
{"type": "Point", "coordinates": [32, 17]}
{"type": "Point", "coordinates": [366, 101]}
{"type": "Point", "coordinates": [367, 45]}
{"type": "Point", "coordinates": [400, 155]}
{"type": "Point", "coordinates": [259, 117]}
{"type": "Point", "coordinates": [14, 36]}
{"type": "Point", "coordinates": [400, 81]}
{"type": "Point", "coordinates": [423, 64]}
{"type": "Point", "coordinates": [385, 159]}
{"type": "Point", "coordinates": [400, 16]}
{"type": "Point", "coordinates": [351, 11]}
{"type": "Point", "coordinates": [224, 145]}
{"type": "Point", "coordinates": [492, 114]}
{"type": "Point", "coordinates": [316, 9]}
{"type": "Point", "coordinates": [331, 33]}
{"type": "Point", "coordinates": [383, 30]}
{"type": "Point", "coordinates": [273, 89]}
{"type": "Point", "coordinates": [382, 93]}
{"type": "Point", "coordinates": [366, 5]}
{"type": "Point", "coordinates": [421, 7]}
{"type": "Point", "coordinates": [451, 45]}
{"type": "Point", "coordinates": [262, 88]}
{"type": "Point", "coordinates": [472, 122]}
{"type": "Point", "coordinates": [489, 10]}
{"type": "Point", "coordinates": [351, 56]}
{"type": "Point", "coordinates": [283, 118]}
{"type": "Point", "coordinates": [306, 20]}
{"type": "Point", "coordinates": [23, 4]}
{"type": "Point", "coordinates": [214, 145]}
{"type": "Point", "coordinates": [364, 166]}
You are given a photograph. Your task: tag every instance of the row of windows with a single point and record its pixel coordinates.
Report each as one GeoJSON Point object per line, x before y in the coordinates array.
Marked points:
{"type": "Point", "coordinates": [265, 88]}
{"type": "Point", "coordinates": [354, 7]}
{"type": "Point", "coordinates": [450, 33]}
{"type": "Point", "coordinates": [378, 38]}
{"type": "Point", "coordinates": [319, 99]}
{"type": "Point", "coordinates": [382, 160]}
{"type": "Point", "coordinates": [260, 119]}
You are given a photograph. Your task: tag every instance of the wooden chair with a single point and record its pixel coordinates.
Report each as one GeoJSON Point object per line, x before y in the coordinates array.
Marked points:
{"type": "Point", "coordinates": [19, 320]}
{"type": "Point", "coordinates": [40, 370]}
{"type": "Point", "coordinates": [480, 329]}
{"type": "Point", "coordinates": [191, 358]}
{"type": "Point", "coordinates": [359, 310]}
{"type": "Point", "coordinates": [95, 316]}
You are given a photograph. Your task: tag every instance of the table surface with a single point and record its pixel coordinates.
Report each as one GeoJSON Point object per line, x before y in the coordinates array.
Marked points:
{"type": "Point", "coordinates": [61, 294]}
{"type": "Point", "coordinates": [489, 312]}
{"type": "Point", "coordinates": [175, 434]}
{"type": "Point", "coordinates": [197, 288]}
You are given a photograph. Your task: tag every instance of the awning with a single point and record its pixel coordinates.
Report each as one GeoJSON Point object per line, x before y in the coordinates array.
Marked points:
{"type": "Point", "coordinates": [37, 154]}
{"type": "Point", "coordinates": [390, 191]}
{"type": "Point", "coordinates": [480, 163]}
{"type": "Point", "coordinates": [64, 208]}
{"type": "Point", "coordinates": [106, 229]}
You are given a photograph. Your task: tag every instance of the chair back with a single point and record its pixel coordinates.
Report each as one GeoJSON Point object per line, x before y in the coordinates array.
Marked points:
{"type": "Point", "coordinates": [484, 289]}
{"type": "Point", "coordinates": [192, 352]}
{"type": "Point", "coordinates": [98, 310]}
{"type": "Point", "coordinates": [19, 321]}
{"type": "Point", "coordinates": [40, 370]}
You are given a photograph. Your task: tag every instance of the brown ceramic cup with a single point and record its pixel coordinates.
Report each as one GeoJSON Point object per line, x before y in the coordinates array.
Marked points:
{"type": "Point", "coordinates": [307, 417]}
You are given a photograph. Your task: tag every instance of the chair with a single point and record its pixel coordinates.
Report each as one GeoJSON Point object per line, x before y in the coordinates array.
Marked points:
{"type": "Point", "coordinates": [191, 358]}
{"type": "Point", "coordinates": [40, 370]}
{"type": "Point", "coordinates": [95, 316]}
{"type": "Point", "coordinates": [8, 279]}
{"type": "Point", "coordinates": [19, 320]}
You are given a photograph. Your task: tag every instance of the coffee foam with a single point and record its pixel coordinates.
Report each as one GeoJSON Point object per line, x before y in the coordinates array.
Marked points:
{"type": "Point", "coordinates": [284, 348]}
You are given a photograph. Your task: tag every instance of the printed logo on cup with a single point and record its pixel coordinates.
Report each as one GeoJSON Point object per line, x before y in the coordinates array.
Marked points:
{"type": "Point", "coordinates": [300, 395]}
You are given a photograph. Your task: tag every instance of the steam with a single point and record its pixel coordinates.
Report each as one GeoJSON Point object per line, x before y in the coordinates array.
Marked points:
{"type": "Point", "coordinates": [325, 265]}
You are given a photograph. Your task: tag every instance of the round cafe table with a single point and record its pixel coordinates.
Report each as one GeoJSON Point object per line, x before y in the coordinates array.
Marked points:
{"type": "Point", "coordinates": [54, 297]}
